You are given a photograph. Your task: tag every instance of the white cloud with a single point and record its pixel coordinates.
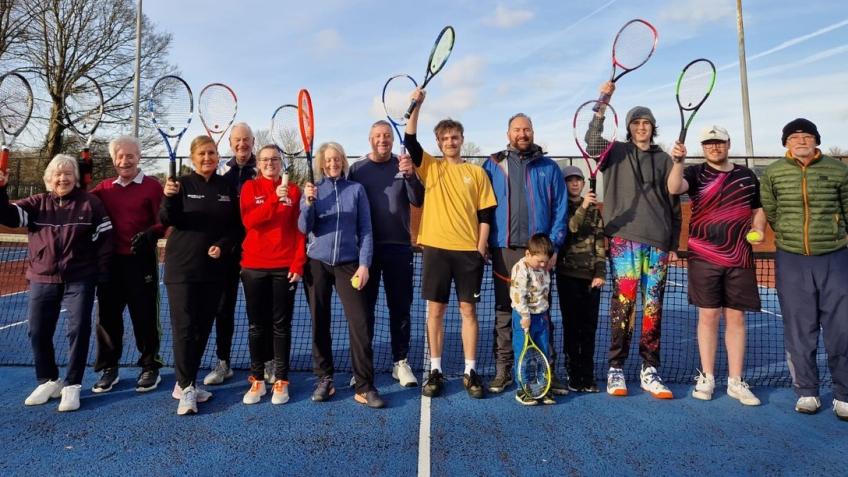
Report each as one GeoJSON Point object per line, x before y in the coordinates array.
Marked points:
{"type": "Point", "coordinates": [464, 71]}
{"type": "Point", "coordinates": [327, 40]}
{"type": "Point", "coordinates": [696, 12]}
{"type": "Point", "coordinates": [503, 17]}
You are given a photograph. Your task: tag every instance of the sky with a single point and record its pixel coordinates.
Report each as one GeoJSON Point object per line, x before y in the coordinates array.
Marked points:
{"type": "Point", "coordinates": [542, 58]}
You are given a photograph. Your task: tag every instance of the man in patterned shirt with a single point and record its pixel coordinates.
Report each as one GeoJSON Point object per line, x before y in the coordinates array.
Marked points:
{"type": "Point", "coordinates": [722, 278]}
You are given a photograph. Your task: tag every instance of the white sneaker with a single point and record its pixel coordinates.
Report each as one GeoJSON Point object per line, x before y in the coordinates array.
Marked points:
{"type": "Point", "coordinates": [738, 389]}
{"type": "Point", "coordinates": [269, 372]}
{"type": "Point", "coordinates": [44, 392]}
{"type": "Point", "coordinates": [188, 402]}
{"type": "Point", "coordinates": [403, 373]}
{"type": "Point", "coordinates": [70, 398]}
{"type": "Point", "coordinates": [202, 394]}
{"type": "Point", "coordinates": [808, 404]}
{"type": "Point", "coordinates": [840, 408]}
{"type": "Point", "coordinates": [256, 391]}
{"type": "Point", "coordinates": [219, 373]}
{"type": "Point", "coordinates": [653, 383]}
{"type": "Point", "coordinates": [281, 392]}
{"type": "Point", "coordinates": [704, 386]}
{"type": "Point", "coordinates": [616, 386]}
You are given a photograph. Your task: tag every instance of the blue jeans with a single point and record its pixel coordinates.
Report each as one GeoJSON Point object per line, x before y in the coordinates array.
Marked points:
{"type": "Point", "coordinates": [539, 330]}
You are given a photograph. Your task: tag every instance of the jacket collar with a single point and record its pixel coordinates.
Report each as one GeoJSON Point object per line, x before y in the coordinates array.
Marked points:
{"type": "Point", "coordinates": [531, 154]}
{"type": "Point", "coordinates": [816, 158]}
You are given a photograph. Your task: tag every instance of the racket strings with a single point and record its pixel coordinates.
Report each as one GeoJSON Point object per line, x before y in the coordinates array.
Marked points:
{"type": "Point", "coordinates": [634, 45]}
{"type": "Point", "coordinates": [15, 104]}
{"type": "Point", "coordinates": [84, 106]}
{"type": "Point", "coordinates": [593, 135]}
{"type": "Point", "coordinates": [217, 108]}
{"type": "Point", "coordinates": [533, 369]}
{"type": "Point", "coordinates": [442, 51]}
{"type": "Point", "coordinates": [695, 84]}
{"type": "Point", "coordinates": [396, 98]}
{"type": "Point", "coordinates": [171, 105]}
{"type": "Point", "coordinates": [284, 131]}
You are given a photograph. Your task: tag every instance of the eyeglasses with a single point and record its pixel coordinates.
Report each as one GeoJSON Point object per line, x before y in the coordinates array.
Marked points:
{"type": "Point", "coordinates": [714, 145]}
{"type": "Point", "coordinates": [272, 159]}
{"type": "Point", "coordinates": [801, 137]}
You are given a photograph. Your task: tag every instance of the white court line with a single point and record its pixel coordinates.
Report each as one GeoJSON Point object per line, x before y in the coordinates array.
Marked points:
{"type": "Point", "coordinates": [424, 436]}
{"type": "Point", "coordinates": [12, 324]}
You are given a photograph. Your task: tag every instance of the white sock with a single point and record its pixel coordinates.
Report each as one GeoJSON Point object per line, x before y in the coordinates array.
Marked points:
{"type": "Point", "coordinates": [470, 364]}
{"type": "Point", "coordinates": [436, 364]}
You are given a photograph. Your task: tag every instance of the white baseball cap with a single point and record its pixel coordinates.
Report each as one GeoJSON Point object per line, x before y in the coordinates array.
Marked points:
{"type": "Point", "coordinates": [714, 133]}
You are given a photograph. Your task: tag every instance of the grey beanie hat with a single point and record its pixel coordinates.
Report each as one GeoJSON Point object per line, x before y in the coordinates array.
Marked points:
{"type": "Point", "coordinates": [641, 112]}
{"type": "Point", "coordinates": [569, 171]}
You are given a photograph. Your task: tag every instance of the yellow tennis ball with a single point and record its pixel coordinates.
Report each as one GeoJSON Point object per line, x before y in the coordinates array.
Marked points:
{"type": "Point", "coordinates": [754, 236]}
{"type": "Point", "coordinates": [354, 281]}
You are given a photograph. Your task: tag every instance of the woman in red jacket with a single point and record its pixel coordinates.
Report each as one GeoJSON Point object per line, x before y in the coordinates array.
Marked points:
{"type": "Point", "coordinates": [273, 255]}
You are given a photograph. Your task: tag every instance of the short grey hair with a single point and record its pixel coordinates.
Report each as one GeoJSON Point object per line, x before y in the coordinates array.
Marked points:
{"type": "Point", "coordinates": [381, 123]}
{"type": "Point", "coordinates": [114, 144]}
{"type": "Point", "coordinates": [516, 116]}
{"type": "Point", "coordinates": [60, 161]}
{"type": "Point", "coordinates": [241, 124]}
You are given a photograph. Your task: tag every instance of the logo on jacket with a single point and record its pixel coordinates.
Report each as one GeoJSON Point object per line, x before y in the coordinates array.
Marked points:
{"type": "Point", "coordinates": [223, 198]}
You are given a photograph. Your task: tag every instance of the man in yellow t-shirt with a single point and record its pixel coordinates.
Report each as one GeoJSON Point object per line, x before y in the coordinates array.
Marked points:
{"type": "Point", "coordinates": [458, 204]}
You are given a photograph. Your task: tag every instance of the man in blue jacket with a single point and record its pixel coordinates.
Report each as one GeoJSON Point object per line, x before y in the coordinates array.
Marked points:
{"type": "Point", "coordinates": [532, 199]}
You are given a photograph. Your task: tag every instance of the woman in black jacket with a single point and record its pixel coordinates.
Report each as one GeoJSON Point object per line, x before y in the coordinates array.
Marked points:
{"type": "Point", "coordinates": [202, 210]}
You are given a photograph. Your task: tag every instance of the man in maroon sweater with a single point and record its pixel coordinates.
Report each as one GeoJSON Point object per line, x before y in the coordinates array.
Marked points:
{"type": "Point", "coordinates": [133, 200]}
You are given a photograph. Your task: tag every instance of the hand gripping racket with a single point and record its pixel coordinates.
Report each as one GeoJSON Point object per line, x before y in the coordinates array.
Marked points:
{"type": "Point", "coordinates": [595, 125]}
{"type": "Point", "coordinates": [83, 109]}
{"type": "Point", "coordinates": [534, 370]}
{"type": "Point", "coordinates": [633, 46]}
{"type": "Point", "coordinates": [15, 111]}
{"type": "Point", "coordinates": [171, 105]}
{"type": "Point", "coordinates": [438, 57]}
{"type": "Point", "coordinates": [693, 88]}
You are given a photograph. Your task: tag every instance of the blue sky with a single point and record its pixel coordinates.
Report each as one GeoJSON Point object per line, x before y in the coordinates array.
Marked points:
{"type": "Point", "coordinates": [543, 58]}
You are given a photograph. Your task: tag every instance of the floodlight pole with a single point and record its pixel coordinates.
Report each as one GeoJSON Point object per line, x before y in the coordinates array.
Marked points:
{"type": "Point", "coordinates": [137, 78]}
{"type": "Point", "coordinates": [743, 78]}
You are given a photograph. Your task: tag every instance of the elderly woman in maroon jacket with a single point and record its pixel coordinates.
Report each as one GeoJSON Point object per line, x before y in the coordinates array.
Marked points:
{"type": "Point", "coordinates": [69, 248]}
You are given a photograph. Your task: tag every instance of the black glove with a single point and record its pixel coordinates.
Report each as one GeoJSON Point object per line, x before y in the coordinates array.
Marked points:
{"type": "Point", "coordinates": [143, 242]}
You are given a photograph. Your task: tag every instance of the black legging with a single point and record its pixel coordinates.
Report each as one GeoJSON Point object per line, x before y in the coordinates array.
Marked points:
{"type": "Point", "coordinates": [269, 300]}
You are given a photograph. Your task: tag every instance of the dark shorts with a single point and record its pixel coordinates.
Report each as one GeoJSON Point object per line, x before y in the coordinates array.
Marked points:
{"type": "Point", "coordinates": [441, 267]}
{"type": "Point", "coordinates": [715, 286]}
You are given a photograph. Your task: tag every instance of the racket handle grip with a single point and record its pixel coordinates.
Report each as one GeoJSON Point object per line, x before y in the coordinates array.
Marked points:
{"type": "Point", "coordinates": [593, 182]}
{"type": "Point", "coordinates": [172, 170]}
{"type": "Point", "coordinates": [603, 98]}
{"type": "Point", "coordinates": [682, 137]}
{"type": "Point", "coordinates": [285, 182]}
{"type": "Point", "coordinates": [4, 163]}
{"type": "Point", "coordinates": [411, 108]}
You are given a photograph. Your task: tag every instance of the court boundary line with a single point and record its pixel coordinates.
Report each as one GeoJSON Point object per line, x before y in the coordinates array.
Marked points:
{"type": "Point", "coordinates": [11, 325]}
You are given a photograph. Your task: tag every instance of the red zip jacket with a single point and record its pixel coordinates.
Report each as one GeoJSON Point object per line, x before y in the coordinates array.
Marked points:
{"type": "Point", "coordinates": [273, 239]}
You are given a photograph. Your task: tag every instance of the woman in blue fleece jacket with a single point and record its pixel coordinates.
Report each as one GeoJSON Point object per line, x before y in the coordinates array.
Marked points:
{"type": "Point", "coordinates": [335, 215]}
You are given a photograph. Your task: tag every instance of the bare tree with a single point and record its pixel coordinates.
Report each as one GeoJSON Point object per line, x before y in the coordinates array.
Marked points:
{"type": "Point", "coordinates": [71, 38]}
{"type": "Point", "coordinates": [470, 151]}
{"type": "Point", "coordinates": [14, 27]}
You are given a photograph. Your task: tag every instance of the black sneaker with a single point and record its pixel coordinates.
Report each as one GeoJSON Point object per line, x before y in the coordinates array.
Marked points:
{"type": "Point", "coordinates": [557, 386]}
{"type": "Point", "coordinates": [370, 398]}
{"type": "Point", "coordinates": [548, 398]}
{"type": "Point", "coordinates": [433, 386]}
{"type": "Point", "coordinates": [474, 385]}
{"type": "Point", "coordinates": [148, 380]}
{"type": "Point", "coordinates": [324, 389]}
{"type": "Point", "coordinates": [523, 398]}
{"type": "Point", "coordinates": [108, 378]}
{"type": "Point", "coordinates": [501, 381]}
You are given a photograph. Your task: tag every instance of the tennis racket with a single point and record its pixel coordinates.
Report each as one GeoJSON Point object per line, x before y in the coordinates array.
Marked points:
{"type": "Point", "coordinates": [438, 57]}
{"type": "Point", "coordinates": [594, 134]}
{"type": "Point", "coordinates": [306, 121]}
{"type": "Point", "coordinates": [395, 96]}
{"type": "Point", "coordinates": [15, 111]}
{"type": "Point", "coordinates": [285, 130]}
{"type": "Point", "coordinates": [534, 370]}
{"type": "Point", "coordinates": [171, 105]}
{"type": "Point", "coordinates": [633, 46]}
{"type": "Point", "coordinates": [217, 107]}
{"type": "Point", "coordinates": [693, 88]}
{"type": "Point", "coordinates": [83, 109]}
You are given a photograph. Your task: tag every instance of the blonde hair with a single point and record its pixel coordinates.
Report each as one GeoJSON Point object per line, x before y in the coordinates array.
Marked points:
{"type": "Point", "coordinates": [60, 161]}
{"type": "Point", "coordinates": [318, 164]}
{"type": "Point", "coordinates": [201, 140]}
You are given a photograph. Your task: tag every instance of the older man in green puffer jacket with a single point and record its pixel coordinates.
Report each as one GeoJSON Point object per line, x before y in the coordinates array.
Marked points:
{"type": "Point", "coordinates": [805, 197]}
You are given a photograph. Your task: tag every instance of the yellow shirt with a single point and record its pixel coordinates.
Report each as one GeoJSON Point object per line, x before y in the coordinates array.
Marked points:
{"type": "Point", "coordinates": [453, 195]}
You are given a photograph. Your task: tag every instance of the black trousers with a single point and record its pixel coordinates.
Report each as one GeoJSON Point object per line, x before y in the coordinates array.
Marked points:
{"type": "Point", "coordinates": [193, 308]}
{"type": "Point", "coordinates": [394, 265]}
{"type": "Point", "coordinates": [269, 300]}
{"type": "Point", "coordinates": [320, 279]}
{"type": "Point", "coordinates": [578, 304]}
{"type": "Point", "coordinates": [133, 284]}
{"type": "Point", "coordinates": [226, 310]}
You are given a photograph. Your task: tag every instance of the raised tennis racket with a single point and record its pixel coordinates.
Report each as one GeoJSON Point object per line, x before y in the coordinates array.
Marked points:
{"type": "Point", "coordinates": [438, 57]}
{"type": "Point", "coordinates": [83, 109]}
{"type": "Point", "coordinates": [171, 105]}
{"type": "Point", "coordinates": [693, 88]}
{"type": "Point", "coordinates": [285, 133]}
{"type": "Point", "coordinates": [634, 44]}
{"type": "Point", "coordinates": [595, 125]}
{"type": "Point", "coordinates": [534, 370]}
{"type": "Point", "coordinates": [217, 107]}
{"type": "Point", "coordinates": [15, 111]}
{"type": "Point", "coordinates": [306, 121]}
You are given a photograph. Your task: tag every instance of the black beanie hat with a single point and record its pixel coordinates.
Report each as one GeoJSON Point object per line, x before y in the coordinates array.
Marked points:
{"type": "Point", "coordinates": [800, 125]}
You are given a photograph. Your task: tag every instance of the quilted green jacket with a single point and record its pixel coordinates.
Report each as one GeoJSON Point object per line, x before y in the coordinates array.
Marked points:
{"type": "Point", "coordinates": [807, 205]}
